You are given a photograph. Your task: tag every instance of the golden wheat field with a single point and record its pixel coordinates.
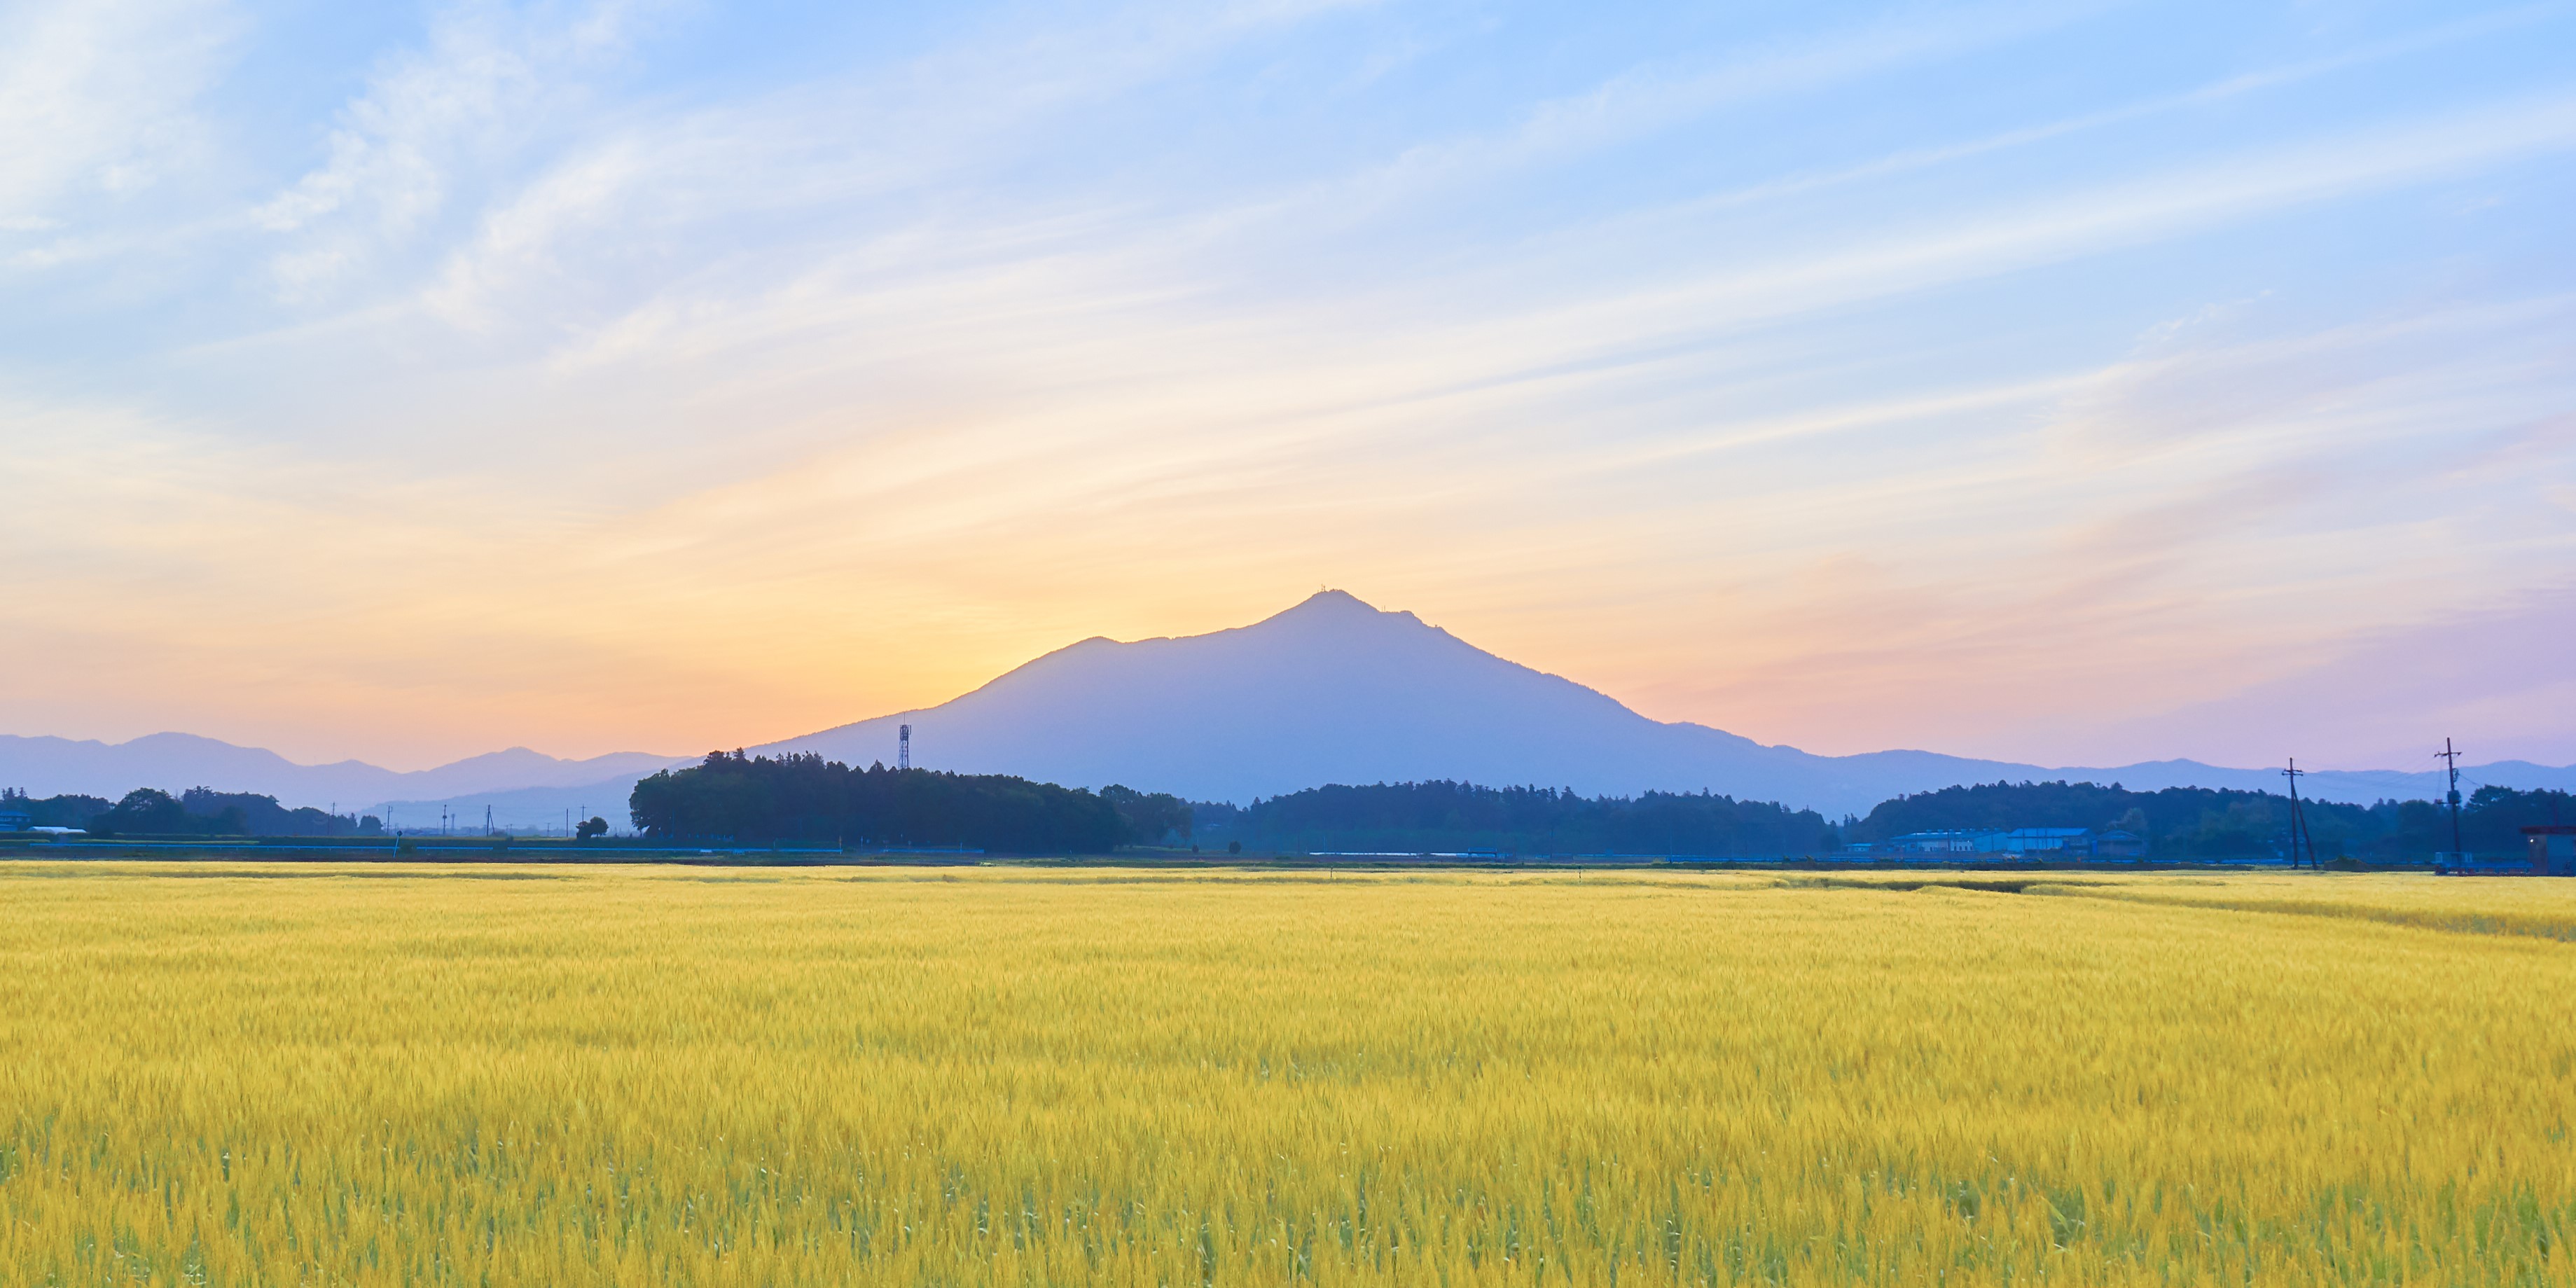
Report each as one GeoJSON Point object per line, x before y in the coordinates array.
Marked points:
{"type": "Point", "coordinates": [996, 1076]}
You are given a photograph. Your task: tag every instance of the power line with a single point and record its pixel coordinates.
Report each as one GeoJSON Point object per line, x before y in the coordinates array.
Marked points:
{"type": "Point", "coordinates": [2451, 756]}
{"type": "Point", "coordinates": [2298, 819]}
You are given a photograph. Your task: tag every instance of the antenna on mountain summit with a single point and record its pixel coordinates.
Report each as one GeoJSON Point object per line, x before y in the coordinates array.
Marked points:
{"type": "Point", "coordinates": [903, 747]}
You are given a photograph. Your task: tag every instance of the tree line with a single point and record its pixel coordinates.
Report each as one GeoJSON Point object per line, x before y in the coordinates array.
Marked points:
{"type": "Point", "coordinates": [1442, 816]}
{"type": "Point", "coordinates": [806, 799]}
{"type": "Point", "coordinates": [803, 799]}
{"type": "Point", "coordinates": [2212, 823]}
{"type": "Point", "coordinates": [199, 811]}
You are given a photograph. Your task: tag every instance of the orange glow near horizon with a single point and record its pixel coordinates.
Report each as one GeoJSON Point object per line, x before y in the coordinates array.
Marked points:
{"type": "Point", "coordinates": [598, 380]}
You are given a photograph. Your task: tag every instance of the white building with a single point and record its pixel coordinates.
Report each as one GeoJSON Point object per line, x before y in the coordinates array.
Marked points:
{"type": "Point", "coordinates": [2029, 842]}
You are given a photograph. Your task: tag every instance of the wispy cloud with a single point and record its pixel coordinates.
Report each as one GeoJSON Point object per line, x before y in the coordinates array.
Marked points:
{"type": "Point", "coordinates": [98, 104]}
{"type": "Point", "coordinates": [916, 357]}
{"type": "Point", "coordinates": [2210, 94]}
{"type": "Point", "coordinates": [1991, 241]}
{"type": "Point", "coordinates": [2300, 491]}
{"type": "Point", "coordinates": [1671, 91]}
{"type": "Point", "coordinates": [484, 85]}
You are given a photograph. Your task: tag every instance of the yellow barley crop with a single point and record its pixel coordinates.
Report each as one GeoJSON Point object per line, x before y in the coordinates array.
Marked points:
{"type": "Point", "coordinates": [639, 1076]}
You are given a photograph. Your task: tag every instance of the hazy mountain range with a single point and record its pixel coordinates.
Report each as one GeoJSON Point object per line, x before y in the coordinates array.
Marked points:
{"type": "Point", "coordinates": [1331, 690]}
{"type": "Point", "coordinates": [43, 766]}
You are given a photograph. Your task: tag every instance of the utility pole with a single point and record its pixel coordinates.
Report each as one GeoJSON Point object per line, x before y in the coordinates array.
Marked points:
{"type": "Point", "coordinates": [2450, 756]}
{"type": "Point", "coordinates": [2299, 819]}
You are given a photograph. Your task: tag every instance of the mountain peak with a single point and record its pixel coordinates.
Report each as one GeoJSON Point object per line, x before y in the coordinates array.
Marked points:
{"type": "Point", "coordinates": [1336, 607]}
{"type": "Point", "coordinates": [1333, 601]}
{"type": "Point", "coordinates": [1335, 690]}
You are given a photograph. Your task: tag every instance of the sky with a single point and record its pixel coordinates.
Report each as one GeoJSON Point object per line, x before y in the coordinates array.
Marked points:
{"type": "Point", "coordinates": [2068, 382]}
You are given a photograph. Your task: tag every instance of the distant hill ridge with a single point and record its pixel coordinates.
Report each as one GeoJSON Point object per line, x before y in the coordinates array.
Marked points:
{"type": "Point", "coordinates": [1331, 691]}
{"type": "Point", "coordinates": [44, 766]}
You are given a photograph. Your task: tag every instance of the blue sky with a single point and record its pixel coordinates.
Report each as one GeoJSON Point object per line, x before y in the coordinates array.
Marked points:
{"type": "Point", "coordinates": [2076, 383]}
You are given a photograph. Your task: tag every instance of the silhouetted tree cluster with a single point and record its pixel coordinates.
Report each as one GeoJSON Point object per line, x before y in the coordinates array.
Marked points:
{"type": "Point", "coordinates": [67, 810]}
{"type": "Point", "coordinates": [806, 799]}
{"type": "Point", "coordinates": [1449, 817]}
{"type": "Point", "coordinates": [1149, 819]}
{"type": "Point", "coordinates": [262, 816]}
{"type": "Point", "coordinates": [150, 811]}
{"type": "Point", "coordinates": [2210, 823]}
{"type": "Point", "coordinates": [2491, 820]}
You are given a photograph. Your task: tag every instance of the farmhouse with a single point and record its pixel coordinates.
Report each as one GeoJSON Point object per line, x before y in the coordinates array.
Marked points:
{"type": "Point", "coordinates": [2027, 842]}
{"type": "Point", "coordinates": [2553, 849]}
{"type": "Point", "coordinates": [1946, 842]}
{"type": "Point", "coordinates": [2117, 844]}
{"type": "Point", "coordinates": [2049, 842]}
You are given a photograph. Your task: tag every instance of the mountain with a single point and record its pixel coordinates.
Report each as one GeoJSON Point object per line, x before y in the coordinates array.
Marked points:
{"type": "Point", "coordinates": [176, 761]}
{"type": "Point", "coordinates": [1334, 690]}
{"type": "Point", "coordinates": [1329, 691]}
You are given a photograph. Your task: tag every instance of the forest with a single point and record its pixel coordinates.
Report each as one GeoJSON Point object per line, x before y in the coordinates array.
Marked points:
{"type": "Point", "coordinates": [806, 799]}
{"type": "Point", "coordinates": [2184, 823]}
{"type": "Point", "coordinates": [1451, 817]}
{"type": "Point", "coordinates": [199, 811]}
